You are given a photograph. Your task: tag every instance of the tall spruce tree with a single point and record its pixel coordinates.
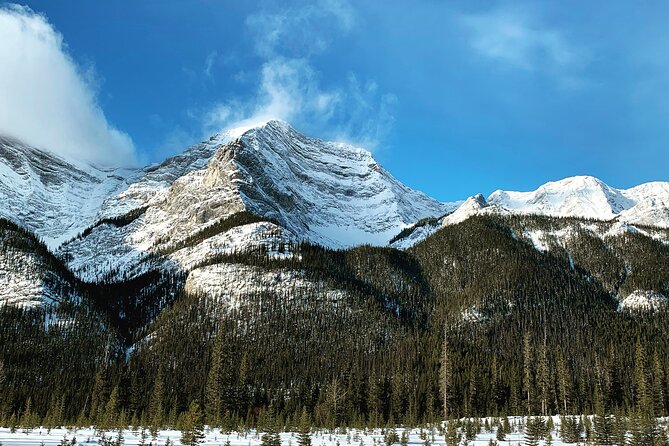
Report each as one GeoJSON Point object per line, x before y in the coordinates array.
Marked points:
{"type": "Point", "coordinates": [304, 434]}
{"type": "Point", "coordinates": [213, 391]}
{"type": "Point", "coordinates": [156, 410]}
{"type": "Point", "coordinates": [528, 371]}
{"type": "Point", "coordinates": [446, 378]}
{"type": "Point", "coordinates": [192, 432]}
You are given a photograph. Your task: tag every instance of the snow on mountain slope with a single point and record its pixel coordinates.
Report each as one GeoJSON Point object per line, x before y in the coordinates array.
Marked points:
{"type": "Point", "coordinates": [152, 183]}
{"type": "Point", "coordinates": [57, 199]}
{"type": "Point", "coordinates": [575, 197]}
{"type": "Point", "coordinates": [28, 277]}
{"type": "Point", "coordinates": [475, 205]}
{"type": "Point", "coordinates": [232, 283]}
{"type": "Point", "coordinates": [329, 193]}
{"type": "Point", "coordinates": [48, 195]}
{"type": "Point", "coordinates": [588, 197]}
{"type": "Point", "coordinates": [641, 300]}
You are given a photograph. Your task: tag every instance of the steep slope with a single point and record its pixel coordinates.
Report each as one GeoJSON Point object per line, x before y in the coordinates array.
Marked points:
{"type": "Point", "coordinates": [50, 196]}
{"type": "Point", "coordinates": [29, 275]}
{"type": "Point", "coordinates": [58, 199]}
{"type": "Point", "coordinates": [335, 194]}
{"type": "Point", "coordinates": [300, 189]}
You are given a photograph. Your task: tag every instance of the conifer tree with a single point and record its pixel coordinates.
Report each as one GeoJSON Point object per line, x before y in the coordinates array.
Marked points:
{"type": "Point", "coordinates": [452, 437]}
{"type": "Point", "coordinates": [304, 434]}
{"type": "Point", "coordinates": [99, 394]}
{"type": "Point", "coordinates": [528, 373]}
{"type": "Point", "coordinates": [28, 417]}
{"type": "Point", "coordinates": [533, 431]}
{"type": "Point", "coordinates": [543, 378]}
{"type": "Point", "coordinates": [111, 412]}
{"type": "Point", "coordinates": [271, 437]}
{"type": "Point", "coordinates": [643, 402]}
{"type": "Point", "coordinates": [659, 385]}
{"type": "Point", "coordinates": [192, 432]}
{"type": "Point", "coordinates": [564, 383]}
{"type": "Point", "coordinates": [374, 399]}
{"type": "Point", "coordinates": [156, 405]}
{"type": "Point", "coordinates": [446, 378]}
{"type": "Point", "coordinates": [213, 401]}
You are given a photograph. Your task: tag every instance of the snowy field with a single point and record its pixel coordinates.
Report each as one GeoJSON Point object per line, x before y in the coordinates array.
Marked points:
{"type": "Point", "coordinates": [352, 437]}
{"type": "Point", "coordinates": [251, 438]}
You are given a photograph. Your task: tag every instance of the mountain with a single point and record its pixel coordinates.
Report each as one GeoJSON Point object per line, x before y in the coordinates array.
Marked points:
{"type": "Point", "coordinates": [52, 197]}
{"type": "Point", "coordinates": [257, 273]}
{"type": "Point", "coordinates": [581, 197]}
{"type": "Point", "coordinates": [29, 274]}
{"type": "Point", "coordinates": [300, 188]}
{"type": "Point", "coordinates": [589, 197]}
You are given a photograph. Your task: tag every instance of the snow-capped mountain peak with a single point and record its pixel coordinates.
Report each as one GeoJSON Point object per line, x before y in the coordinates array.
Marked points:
{"type": "Point", "coordinates": [324, 192]}
{"type": "Point", "coordinates": [582, 197]}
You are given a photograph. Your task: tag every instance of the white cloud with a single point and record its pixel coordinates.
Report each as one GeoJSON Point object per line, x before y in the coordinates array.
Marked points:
{"type": "Point", "coordinates": [46, 100]}
{"type": "Point", "coordinates": [290, 87]}
{"type": "Point", "coordinates": [519, 40]}
{"type": "Point", "coordinates": [290, 90]}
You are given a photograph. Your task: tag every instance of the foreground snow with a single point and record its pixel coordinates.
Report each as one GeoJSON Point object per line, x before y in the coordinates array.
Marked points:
{"type": "Point", "coordinates": [351, 437]}
{"type": "Point", "coordinates": [215, 437]}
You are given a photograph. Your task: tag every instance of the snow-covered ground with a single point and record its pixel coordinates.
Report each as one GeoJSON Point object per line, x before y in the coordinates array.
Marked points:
{"type": "Point", "coordinates": [216, 437]}
{"type": "Point", "coordinates": [350, 437]}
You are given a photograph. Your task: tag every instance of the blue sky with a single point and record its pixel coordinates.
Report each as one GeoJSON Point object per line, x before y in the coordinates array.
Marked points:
{"type": "Point", "coordinates": [453, 98]}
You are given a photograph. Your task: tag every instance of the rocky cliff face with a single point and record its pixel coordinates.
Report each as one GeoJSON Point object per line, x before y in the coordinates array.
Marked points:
{"type": "Point", "coordinates": [303, 188]}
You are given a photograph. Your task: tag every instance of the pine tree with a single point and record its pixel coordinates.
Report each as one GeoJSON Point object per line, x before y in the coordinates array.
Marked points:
{"type": "Point", "coordinates": [620, 430]}
{"type": "Point", "coordinates": [452, 437]}
{"type": "Point", "coordinates": [643, 402]}
{"type": "Point", "coordinates": [304, 434]}
{"type": "Point", "coordinates": [528, 376]}
{"type": "Point", "coordinates": [398, 397]}
{"type": "Point", "coordinates": [604, 430]}
{"type": "Point", "coordinates": [99, 394]}
{"type": "Point", "coordinates": [374, 399]}
{"type": "Point", "coordinates": [335, 396]}
{"type": "Point", "coordinates": [641, 430]}
{"type": "Point", "coordinates": [28, 418]}
{"type": "Point", "coordinates": [213, 401]}
{"type": "Point", "coordinates": [659, 385]}
{"type": "Point", "coordinates": [446, 378]}
{"type": "Point", "coordinates": [533, 431]}
{"type": "Point", "coordinates": [192, 432]}
{"type": "Point", "coordinates": [111, 412]}
{"type": "Point", "coordinates": [544, 379]}
{"type": "Point", "coordinates": [156, 405]}
{"type": "Point", "coordinates": [391, 437]}
{"type": "Point", "coordinates": [271, 437]}
{"type": "Point", "coordinates": [500, 435]}
{"type": "Point", "coordinates": [564, 383]}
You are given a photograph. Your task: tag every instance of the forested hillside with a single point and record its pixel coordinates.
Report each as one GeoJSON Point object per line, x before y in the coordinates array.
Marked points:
{"type": "Point", "coordinates": [482, 318]}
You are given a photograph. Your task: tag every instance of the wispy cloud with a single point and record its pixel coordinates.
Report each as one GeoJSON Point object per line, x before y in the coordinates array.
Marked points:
{"type": "Point", "coordinates": [520, 40]}
{"type": "Point", "coordinates": [209, 62]}
{"type": "Point", "coordinates": [300, 31]}
{"type": "Point", "coordinates": [291, 88]}
{"type": "Point", "coordinates": [47, 99]}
